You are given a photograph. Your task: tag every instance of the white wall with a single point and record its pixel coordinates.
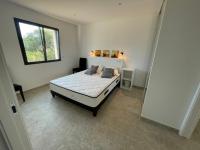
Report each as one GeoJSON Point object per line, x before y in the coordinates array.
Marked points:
{"type": "Point", "coordinates": [176, 71]}
{"type": "Point", "coordinates": [132, 35]}
{"type": "Point", "coordinates": [30, 76]}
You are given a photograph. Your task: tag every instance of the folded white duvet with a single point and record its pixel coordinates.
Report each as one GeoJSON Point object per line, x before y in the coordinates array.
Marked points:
{"type": "Point", "coordinates": [90, 85]}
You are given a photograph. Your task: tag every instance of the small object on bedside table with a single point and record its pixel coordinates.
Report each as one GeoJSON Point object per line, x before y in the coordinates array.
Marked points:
{"type": "Point", "coordinates": [127, 78]}
{"type": "Point", "coordinates": [19, 88]}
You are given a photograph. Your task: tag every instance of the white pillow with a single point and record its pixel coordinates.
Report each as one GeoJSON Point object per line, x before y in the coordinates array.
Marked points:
{"type": "Point", "coordinates": [116, 72]}
{"type": "Point", "coordinates": [99, 70]}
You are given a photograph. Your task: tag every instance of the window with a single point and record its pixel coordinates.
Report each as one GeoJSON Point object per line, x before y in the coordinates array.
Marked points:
{"type": "Point", "coordinates": [39, 43]}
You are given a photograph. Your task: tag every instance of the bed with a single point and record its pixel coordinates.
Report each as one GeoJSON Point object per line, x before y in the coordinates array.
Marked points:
{"type": "Point", "coordinates": [88, 91]}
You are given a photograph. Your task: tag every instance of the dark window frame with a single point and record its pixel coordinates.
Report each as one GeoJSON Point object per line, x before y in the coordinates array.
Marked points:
{"type": "Point", "coordinates": [21, 43]}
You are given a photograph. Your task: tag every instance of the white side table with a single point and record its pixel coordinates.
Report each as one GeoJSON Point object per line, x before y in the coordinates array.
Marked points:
{"type": "Point", "coordinates": [127, 76]}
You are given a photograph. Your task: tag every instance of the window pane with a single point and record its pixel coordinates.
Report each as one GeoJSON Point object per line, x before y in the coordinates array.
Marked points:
{"type": "Point", "coordinates": [51, 39]}
{"type": "Point", "coordinates": [32, 39]}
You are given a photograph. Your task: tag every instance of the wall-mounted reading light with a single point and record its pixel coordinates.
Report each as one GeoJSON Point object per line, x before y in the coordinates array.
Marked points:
{"type": "Point", "coordinates": [121, 54]}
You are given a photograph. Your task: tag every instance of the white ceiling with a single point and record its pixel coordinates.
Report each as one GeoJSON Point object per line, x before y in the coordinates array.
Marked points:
{"type": "Point", "coordinates": [89, 11]}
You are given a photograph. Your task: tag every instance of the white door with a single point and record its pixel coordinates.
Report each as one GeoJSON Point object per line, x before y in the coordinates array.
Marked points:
{"type": "Point", "coordinates": [11, 123]}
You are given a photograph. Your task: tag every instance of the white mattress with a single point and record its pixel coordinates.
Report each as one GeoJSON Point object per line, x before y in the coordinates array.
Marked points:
{"type": "Point", "coordinates": [89, 85]}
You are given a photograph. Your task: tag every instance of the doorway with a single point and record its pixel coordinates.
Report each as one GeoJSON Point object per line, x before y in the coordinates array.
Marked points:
{"type": "Point", "coordinates": [12, 128]}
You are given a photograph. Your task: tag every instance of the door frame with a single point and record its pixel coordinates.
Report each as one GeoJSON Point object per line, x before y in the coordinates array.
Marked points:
{"type": "Point", "coordinates": [12, 125]}
{"type": "Point", "coordinates": [192, 116]}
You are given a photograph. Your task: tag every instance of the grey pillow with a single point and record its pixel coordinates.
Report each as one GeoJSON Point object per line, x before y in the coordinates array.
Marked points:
{"type": "Point", "coordinates": [91, 70]}
{"type": "Point", "coordinates": [107, 73]}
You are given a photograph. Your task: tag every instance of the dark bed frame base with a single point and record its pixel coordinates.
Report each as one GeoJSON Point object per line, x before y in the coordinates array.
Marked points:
{"type": "Point", "coordinates": [93, 109]}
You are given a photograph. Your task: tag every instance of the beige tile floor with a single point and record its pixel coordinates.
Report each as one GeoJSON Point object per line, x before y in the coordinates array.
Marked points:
{"type": "Point", "coordinates": [55, 124]}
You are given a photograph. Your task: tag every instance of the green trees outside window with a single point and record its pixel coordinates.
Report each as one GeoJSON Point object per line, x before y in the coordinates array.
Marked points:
{"type": "Point", "coordinates": [39, 43]}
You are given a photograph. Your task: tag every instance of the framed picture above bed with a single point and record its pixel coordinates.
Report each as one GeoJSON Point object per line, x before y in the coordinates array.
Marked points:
{"type": "Point", "coordinates": [97, 53]}
{"type": "Point", "coordinates": [106, 53]}
{"type": "Point", "coordinates": [115, 54]}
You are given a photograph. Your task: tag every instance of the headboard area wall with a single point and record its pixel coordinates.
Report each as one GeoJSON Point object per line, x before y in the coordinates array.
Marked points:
{"type": "Point", "coordinates": [107, 62]}
{"type": "Point", "coordinates": [133, 35]}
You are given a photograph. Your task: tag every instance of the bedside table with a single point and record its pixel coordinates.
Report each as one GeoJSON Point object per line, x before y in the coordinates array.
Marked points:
{"type": "Point", "coordinates": [127, 76]}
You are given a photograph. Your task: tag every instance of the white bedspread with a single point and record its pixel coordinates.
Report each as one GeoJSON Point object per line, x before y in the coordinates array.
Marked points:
{"type": "Point", "coordinates": [90, 85]}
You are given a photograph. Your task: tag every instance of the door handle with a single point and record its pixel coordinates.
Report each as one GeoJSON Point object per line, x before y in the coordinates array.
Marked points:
{"type": "Point", "coordinates": [14, 109]}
